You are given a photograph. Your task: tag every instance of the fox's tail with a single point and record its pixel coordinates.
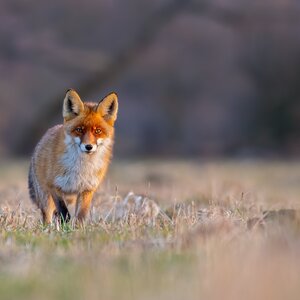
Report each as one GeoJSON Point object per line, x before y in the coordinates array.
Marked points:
{"type": "Point", "coordinates": [31, 184]}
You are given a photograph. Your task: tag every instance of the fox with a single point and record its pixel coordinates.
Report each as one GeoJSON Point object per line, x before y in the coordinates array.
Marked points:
{"type": "Point", "coordinates": [71, 159]}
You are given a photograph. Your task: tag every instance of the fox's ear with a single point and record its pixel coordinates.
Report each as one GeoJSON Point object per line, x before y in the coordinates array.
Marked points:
{"type": "Point", "coordinates": [108, 108]}
{"type": "Point", "coordinates": [73, 105]}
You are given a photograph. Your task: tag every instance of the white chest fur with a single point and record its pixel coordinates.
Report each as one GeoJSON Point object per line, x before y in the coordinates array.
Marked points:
{"type": "Point", "coordinates": [80, 170]}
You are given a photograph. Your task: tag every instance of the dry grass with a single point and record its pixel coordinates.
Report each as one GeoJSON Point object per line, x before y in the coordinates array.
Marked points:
{"type": "Point", "coordinates": [225, 230]}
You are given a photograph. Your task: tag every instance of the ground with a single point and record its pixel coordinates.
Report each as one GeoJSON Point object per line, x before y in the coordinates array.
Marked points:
{"type": "Point", "coordinates": [211, 230]}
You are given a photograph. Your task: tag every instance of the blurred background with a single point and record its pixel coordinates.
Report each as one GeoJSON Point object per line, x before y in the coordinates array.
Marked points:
{"type": "Point", "coordinates": [194, 78]}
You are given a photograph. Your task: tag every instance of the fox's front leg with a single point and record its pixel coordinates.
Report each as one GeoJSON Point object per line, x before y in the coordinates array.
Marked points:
{"type": "Point", "coordinates": [48, 209]}
{"type": "Point", "coordinates": [83, 205]}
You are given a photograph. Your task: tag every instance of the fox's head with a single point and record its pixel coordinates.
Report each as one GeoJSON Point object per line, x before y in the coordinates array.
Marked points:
{"type": "Point", "coordinates": [89, 125]}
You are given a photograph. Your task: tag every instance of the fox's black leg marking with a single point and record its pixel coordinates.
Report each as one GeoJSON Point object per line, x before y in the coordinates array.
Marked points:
{"type": "Point", "coordinates": [61, 209]}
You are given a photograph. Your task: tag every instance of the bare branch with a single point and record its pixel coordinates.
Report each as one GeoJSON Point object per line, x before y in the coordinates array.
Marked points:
{"type": "Point", "coordinates": [106, 75]}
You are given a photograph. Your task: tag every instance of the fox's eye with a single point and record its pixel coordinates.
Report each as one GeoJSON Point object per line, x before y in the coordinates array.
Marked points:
{"type": "Point", "coordinates": [79, 129]}
{"type": "Point", "coordinates": [98, 130]}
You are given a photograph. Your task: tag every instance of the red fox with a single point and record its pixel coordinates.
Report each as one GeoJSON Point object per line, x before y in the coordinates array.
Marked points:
{"type": "Point", "coordinates": [71, 159]}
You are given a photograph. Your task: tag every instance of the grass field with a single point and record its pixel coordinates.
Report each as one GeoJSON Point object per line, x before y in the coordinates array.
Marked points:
{"type": "Point", "coordinates": [204, 230]}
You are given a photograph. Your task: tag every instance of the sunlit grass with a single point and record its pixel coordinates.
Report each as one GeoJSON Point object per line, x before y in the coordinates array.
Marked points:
{"type": "Point", "coordinates": [225, 231]}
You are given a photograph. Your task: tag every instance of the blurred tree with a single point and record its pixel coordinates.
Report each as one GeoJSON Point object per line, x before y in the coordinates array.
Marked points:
{"type": "Point", "coordinates": [98, 80]}
{"type": "Point", "coordinates": [201, 77]}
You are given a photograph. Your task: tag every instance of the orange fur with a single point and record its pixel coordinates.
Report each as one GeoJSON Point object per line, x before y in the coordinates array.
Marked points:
{"type": "Point", "coordinates": [71, 160]}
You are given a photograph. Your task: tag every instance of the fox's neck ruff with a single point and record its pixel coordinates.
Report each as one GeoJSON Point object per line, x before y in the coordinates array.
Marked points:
{"type": "Point", "coordinates": [79, 169]}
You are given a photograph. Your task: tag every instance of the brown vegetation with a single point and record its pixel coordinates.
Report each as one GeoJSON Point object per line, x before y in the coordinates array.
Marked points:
{"type": "Point", "coordinates": [217, 77]}
{"type": "Point", "coordinates": [223, 230]}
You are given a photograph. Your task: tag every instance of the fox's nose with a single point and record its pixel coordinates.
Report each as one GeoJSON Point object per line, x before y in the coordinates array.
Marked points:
{"type": "Point", "coordinates": [88, 147]}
